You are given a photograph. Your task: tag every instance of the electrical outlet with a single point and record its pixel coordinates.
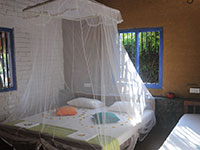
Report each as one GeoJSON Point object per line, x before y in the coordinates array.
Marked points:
{"type": "Point", "coordinates": [195, 90]}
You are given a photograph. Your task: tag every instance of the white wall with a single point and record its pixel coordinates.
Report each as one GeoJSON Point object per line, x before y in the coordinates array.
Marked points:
{"type": "Point", "coordinates": [11, 16]}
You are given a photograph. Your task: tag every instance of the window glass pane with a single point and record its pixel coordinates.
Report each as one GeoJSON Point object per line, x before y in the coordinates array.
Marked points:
{"type": "Point", "coordinates": [6, 68]}
{"type": "Point", "coordinates": [149, 56]}
{"type": "Point", "coordinates": [148, 50]}
{"type": "Point", "coordinates": [128, 40]}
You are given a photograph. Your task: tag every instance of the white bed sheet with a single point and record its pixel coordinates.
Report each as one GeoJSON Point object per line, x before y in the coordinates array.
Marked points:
{"type": "Point", "coordinates": [185, 135]}
{"type": "Point", "coordinates": [83, 123]}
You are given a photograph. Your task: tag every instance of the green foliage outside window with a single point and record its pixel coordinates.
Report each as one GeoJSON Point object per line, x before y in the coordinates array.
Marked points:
{"type": "Point", "coordinates": [148, 53]}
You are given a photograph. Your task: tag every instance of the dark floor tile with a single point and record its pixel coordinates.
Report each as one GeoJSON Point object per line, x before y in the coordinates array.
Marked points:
{"type": "Point", "coordinates": [154, 140]}
{"type": "Point", "coordinates": [4, 145]}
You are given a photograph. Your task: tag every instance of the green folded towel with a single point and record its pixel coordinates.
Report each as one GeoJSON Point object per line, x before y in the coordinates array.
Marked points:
{"type": "Point", "coordinates": [108, 142]}
{"type": "Point", "coordinates": [53, 130]}
{"type": "Point", "coordinates": [105, 117]}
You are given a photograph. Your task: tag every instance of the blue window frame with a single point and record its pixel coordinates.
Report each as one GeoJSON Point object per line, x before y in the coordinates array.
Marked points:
{"type": "Point", "coordinates": [7, 60]}
{"type": "Point", "coordinates": [145, 48]}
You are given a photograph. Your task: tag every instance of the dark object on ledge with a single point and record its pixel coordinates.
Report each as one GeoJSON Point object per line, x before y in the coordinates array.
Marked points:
{"type": "Point", "coordinates": [171, 95]}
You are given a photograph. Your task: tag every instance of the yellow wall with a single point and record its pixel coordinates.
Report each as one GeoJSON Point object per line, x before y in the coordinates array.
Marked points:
{"type": "Point", "coordinates": [181, 34]}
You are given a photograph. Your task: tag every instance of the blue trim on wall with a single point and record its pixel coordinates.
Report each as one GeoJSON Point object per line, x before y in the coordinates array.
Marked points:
{"type": "Point", "coordinates": [6, 29]}
{"type": "Point", "coordinates": [141, 30]}
{"type": "Point", "coordinates": [153, 29]}
{"type": "Point", "coordinates": [137, 53]}
{"type": "Point", "coordinates": [161, 59]}
{"type": "Point", "coordinates": [14, 87]}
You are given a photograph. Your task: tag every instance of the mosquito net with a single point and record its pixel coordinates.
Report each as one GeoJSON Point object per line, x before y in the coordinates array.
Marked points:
{"type": "Point", "coordinates": [83, 91]}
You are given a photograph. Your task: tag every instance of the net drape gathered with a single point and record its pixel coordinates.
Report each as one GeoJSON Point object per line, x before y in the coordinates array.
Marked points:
{"type": "Point", "coordinates": [76, 50]}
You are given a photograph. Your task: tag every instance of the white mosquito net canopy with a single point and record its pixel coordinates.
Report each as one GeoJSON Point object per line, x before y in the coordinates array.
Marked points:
{"type": "Point", "coordinates": [79, 67]}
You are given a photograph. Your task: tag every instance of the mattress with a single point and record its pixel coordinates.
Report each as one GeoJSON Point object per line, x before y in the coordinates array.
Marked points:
{"type": "Point", "coordinates": [85, 127]}
{"type": "Point", "coordinates": [185, 135]}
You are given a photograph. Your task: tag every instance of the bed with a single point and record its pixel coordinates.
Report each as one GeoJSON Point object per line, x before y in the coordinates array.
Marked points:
{"type": "Point", "coordinates": [70, 130]}
{"type": "Point", "coordinates": [186, 134]}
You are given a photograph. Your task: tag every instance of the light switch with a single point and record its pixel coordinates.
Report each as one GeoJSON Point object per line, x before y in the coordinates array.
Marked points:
{"type": "Point", "coordinates": [195, 90]}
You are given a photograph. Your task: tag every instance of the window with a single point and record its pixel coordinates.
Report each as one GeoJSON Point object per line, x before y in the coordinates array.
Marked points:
{"type": "Point", "coordinates": [145, 48]}
{"type": "Point", "coordinates": [7, 63]}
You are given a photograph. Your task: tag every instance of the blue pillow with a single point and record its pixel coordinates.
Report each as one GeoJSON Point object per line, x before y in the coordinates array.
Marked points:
{"type": "Point", "coordinates": [105, 117]}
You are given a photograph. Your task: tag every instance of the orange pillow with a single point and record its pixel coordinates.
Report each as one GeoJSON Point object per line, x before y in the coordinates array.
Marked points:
{"type": "Point", "coordinates": [66, 111]}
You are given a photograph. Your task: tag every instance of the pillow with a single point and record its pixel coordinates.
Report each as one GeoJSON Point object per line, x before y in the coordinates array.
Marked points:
{"type": "Point", "coordinates": [105, 117]}
{"type": "Point", "coordinates": [66, 111]}
{"type": "Point", "coordinates": [121, 106]}
{"type": "Point", "coordinates": [85, 103]}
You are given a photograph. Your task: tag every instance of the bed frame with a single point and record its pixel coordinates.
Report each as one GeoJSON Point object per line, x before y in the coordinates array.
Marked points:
{"type": "Point", "coordinates": [191, 107]}
{"type": "Point", "coordinates": [22, 137]}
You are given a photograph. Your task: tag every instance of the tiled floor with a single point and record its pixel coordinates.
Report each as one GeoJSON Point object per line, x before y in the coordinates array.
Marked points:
{"type": "Point", "coordinates": [4, 146]}
{"type": "Point", "coordinates": [154, 140]}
